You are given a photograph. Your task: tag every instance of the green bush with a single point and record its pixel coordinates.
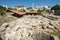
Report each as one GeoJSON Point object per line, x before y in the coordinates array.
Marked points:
{"type": "Point", "coordinates": [10, 8]}
{"type": "Point", "coordinates": [31, 10]}
{"type": "Point", "coordinates": [39, 11]}
{"type": "Point", "coordinates": [49, 11]}
{"type": "Point", "coordinates": [2, 12]}
{"type": "Point", "coordinates": [56, 7]}
{"type": "Point", "coordinates": [2, 8]}
{"type": "Point", "coordinates": [22, 10]}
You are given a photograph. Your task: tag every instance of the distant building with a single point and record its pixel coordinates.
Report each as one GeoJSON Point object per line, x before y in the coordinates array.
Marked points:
{"type": "Point", "coordinates": [43, 7]}
{"type": "Point", "coordinates": [34, 8]}
{"type": "Point", "coordinates": [47, 7]}
{"type": "Point", "coordinates": [20, 7]}
{"type": "Point", "coordinates": [39, 7]}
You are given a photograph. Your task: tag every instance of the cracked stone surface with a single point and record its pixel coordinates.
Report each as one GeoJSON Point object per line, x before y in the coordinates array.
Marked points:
{"type": "Point", "coordinates": [30, 27]}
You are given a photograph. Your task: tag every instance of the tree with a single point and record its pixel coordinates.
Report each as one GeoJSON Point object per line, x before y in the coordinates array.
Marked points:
{"type": "Point", "coordinates": [29, 8]}
{"type": "Point", "coordinates": [10, 8]}
{"type": "Point", "coordinates": [2, 10]}
{"type": "Point", "coordinates": [39, 11]}
{"type": "Point", "coordinates": [22, 10]}
{"type": "Point", "coordinates": [56, 7]}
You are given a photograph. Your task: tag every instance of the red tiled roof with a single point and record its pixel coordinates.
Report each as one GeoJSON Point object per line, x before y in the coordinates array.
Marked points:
{"type": "Point", "coordinates": [22, 13]}
{"type": "Point", "coordinates": [17, 12]}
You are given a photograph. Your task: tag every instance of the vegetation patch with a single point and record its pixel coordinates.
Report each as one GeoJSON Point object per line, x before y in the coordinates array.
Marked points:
{"type": "Point", "coordinates": [39, 12]}
{"type": "Point", "coordinates": [29, 8]}
{"type": "Point", "coordinates": [56, 8]}
{"type": "Point", "coordinates": [22, 10]}
{"type": "Point", "coordinates": [10, 8]}
{"type": "Point", "coordinates": [2, 10]}
{"type": "Point", "coordinates": [55, 33]}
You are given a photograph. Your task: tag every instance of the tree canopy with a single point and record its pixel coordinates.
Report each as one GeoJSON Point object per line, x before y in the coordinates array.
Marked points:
{"type": "Point", "coordinates": [56, 7]}
{"type": "Point", "coordinates": [2, 8]}
{"type": "Point", "coordinates": [29, 8]}
{"type": "Point", "coordinates": [10, 8]}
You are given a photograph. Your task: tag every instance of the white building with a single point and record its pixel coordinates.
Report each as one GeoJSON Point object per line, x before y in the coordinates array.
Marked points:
{"type": "Point", "coordinates": [19, 8]}
{"type": "Point", "coordinates": [43, 7]}
{"type": "Point", "coordinates": [39, 7]}
{"type": "Point", "coordinates": [47, 7]}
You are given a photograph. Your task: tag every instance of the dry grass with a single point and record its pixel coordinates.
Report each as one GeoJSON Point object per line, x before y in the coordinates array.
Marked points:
{"type": "Point", "coordinates": [55, 33]}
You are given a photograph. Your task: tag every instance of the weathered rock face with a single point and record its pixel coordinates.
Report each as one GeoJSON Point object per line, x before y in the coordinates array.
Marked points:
{"type": "Point", "coordinates": [0, 38]}
{"type": "Point", "coordinates": [29, 27]}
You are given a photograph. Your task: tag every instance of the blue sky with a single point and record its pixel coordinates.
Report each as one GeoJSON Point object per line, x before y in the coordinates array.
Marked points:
{"type": "Point", "coordinates": [11, 3]}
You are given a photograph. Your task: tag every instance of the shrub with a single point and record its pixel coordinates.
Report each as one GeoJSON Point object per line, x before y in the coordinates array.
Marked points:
{"type": "Point", "coordinates": [56, 7]}
{"type": "Point", "coordinates": [10, 8]}
{"type": "Point", "coordinates": [31, 10]}
{"type": "Point", "coordinates": [2, 8]}
{"type": "Point", "coordinates": [22, 10]}
{"type": "Point", "coordinates": [49, 11]}
{"type": "Point", "coordinates": [2, 12]}
{"type": "Point", "coordinates": [39, 12]}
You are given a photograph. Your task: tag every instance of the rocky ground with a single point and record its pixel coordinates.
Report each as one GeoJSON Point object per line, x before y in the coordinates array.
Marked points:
{"type": "Point", "coordinates": [30, 27]}
{"type": "Point", "coordinates": [7, 18]}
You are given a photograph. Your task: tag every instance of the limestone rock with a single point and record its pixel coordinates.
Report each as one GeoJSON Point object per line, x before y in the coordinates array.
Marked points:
{"type": "Point", "coordinates": [29, 27]}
